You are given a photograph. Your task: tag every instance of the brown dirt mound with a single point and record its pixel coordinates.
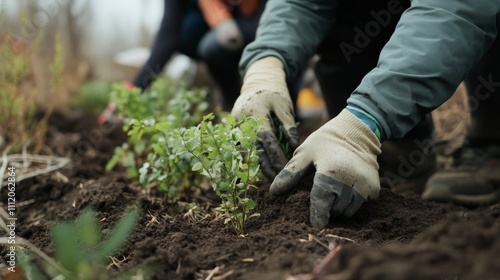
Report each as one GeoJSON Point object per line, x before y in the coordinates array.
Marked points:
{"type": "Point", "coordinates": [394, 237]}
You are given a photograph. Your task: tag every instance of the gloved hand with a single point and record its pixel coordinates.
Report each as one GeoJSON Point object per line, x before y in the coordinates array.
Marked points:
{"type": "Point", "coordinates": [110, 113]}
{"type": "Point", "coordinates": [229, 35]}
{"type": "Point", "coordinates": [264, 94]}
{"type": "Point", "coordinates": [344, 153]}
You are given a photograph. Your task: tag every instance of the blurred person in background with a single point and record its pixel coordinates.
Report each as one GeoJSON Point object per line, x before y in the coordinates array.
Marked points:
{"type": "Point", "coordinates": [211, 31]}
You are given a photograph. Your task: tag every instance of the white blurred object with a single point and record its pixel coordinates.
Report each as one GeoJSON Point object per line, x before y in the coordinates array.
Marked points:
{"type": "Point", "coordinates": [182, 67]}
{"type": "Point", "coordinates": [179, 67]}
{"type": "Point", "coordinates": [135, 57]}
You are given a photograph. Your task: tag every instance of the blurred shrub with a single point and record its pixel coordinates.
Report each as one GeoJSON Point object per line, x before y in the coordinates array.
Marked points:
{"type": "Point", "coordinates": [167, 102]}
{"type": "Point", "coordinates": [17, 97]}
{"type": "Point", "coordinates": [93, 96]}
{"type": "Point", "coordinates": [82, 251]}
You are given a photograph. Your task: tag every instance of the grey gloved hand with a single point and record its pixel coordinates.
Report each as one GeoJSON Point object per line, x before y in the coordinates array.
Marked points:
{"type": "Point", "coordinates": [264, 94]}
{"type": "Point", "coordinates": [229, 35]}
{"type": "Point", "coordinates": [344, 154]}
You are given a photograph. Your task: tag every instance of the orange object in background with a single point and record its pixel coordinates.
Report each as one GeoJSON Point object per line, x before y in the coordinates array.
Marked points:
{"type": "Point", "coordinates": [310, 104]}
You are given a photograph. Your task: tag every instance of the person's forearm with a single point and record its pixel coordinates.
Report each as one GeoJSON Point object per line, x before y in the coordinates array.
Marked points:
{"type": "Point", "coordinates": [435, 45]}
{"type": "Point", "coordinates": [165, 44]}
{"type": "Point", "coordinates": [214, 11]}
{"type": "Point", "coordinates": [290, 30]}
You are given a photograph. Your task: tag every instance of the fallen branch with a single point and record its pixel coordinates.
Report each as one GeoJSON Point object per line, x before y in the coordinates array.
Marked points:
{"type": "Point", "coordinates": [24, 161]}
{"type": "Point", "coordinates": [321, 266]}
{"type": "Point", "coordinates": [4, 165]}
{"type": "Point", "coordinates": [23, 242]}
{"type": "Point", "coordinates": [318, 269]}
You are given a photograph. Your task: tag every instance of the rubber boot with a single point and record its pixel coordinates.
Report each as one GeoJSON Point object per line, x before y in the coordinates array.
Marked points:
{"type": "Point", "coordinates": [474, 177]}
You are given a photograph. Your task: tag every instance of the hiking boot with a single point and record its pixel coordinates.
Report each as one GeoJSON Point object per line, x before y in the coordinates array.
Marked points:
{"type": "Point", "coordinates": [473, 179]}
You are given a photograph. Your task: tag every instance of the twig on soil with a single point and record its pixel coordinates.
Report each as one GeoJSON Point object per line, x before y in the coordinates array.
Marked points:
{"type": "Point", "coordinates": [212, 273]}
{"type": "Point", "coordinates": [318, 269]}
{"type": "Point", "coordinates": [224, 276]}
{"type": "Point", "coordinates": [179, 265]}
{"type": "Point", "coordinates": [311, 237]}
{"type": "Point", "coordinates": [23, 242]}
{"type": "Point", "coordinates": [194, 215]}
{"type": "Point", "coordinates": [217, 269]}
{"type": "Point", "coordinates": [190, 215]}
{"type": "Point", "coordinates": [26, 243]}
{"type": "Point", "coordinates": [153, 219]}
{"type": "Point", "coordinates": [321, 266]}
{"type": "Point", "coordinates": [4, 166]}
{"type": "Point", "coordinates": [217, 216]}
{"type": "Point", "coordinates": [61, 177]}
{"type": "Point", "coordinates": [26, 202]}
{"type": "Point", "coordinates": [52, 163]}
{"type": "Point", "coordinates": [3, 225]}
{"type": "Point", "coordinates": [336, 237]}
{"type": "Point", "coordinates": [116, 262]}
{"type": "Point", "coordinates": [25, 155]}
{"type": "Point", "coordinates": [223, 257]}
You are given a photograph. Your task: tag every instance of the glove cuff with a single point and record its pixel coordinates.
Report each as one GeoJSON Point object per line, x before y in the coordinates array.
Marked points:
{"type": "Point", "coordinates": [355, 132]}
{"type": "Point", "coordinates": [266, 74]}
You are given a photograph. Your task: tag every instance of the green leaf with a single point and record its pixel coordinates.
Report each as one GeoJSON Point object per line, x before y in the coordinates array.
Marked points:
{"type": "Point", "coordinates": [230, 120]}
{"type": "Point", "coordinates": [250, 204]}
{"type": "Point", "coordinates": [120, 234]}
{"type": "Point", "coordinates": [67, 250]}
{"type": "Point", "coordinates": [89, 229]}
{"type": "Point", "coordinates": [114, 160]}
{"type": "Point", "coordinates": [30, 270]}
{"type": "Point", "coordinates": [197, 166]}
{"type": "Point", "coordinates": [208, 117]}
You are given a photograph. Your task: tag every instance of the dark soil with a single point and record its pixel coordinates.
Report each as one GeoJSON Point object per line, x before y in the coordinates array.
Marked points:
{"type": "Point", "coordinates": [393, 237]}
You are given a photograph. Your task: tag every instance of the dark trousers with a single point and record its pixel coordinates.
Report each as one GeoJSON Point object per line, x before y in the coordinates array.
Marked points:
{"type": "Point", "coordinates": [483, 86]}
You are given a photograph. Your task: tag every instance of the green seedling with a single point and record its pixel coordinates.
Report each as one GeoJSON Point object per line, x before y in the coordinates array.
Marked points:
{"type": "Point", "coordinates": [226, 153]}
{"type": "Point", "coordinates": [93, 96]}
{"type": "Point", "coordinates": [166, 106]}
{"type": "Point", "coordinates": [82, 251]}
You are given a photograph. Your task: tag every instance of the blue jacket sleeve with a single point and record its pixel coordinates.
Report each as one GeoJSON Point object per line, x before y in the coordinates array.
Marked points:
{"type": "Point", "coordinates": [434, 46]}
{"type": "Point", "coordinates": [290, 30]}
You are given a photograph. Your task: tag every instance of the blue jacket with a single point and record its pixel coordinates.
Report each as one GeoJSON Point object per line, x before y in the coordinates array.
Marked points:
{"type": "Point", "coordinates": [436, 43]}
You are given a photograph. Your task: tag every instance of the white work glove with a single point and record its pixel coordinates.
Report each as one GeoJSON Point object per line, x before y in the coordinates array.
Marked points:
{"type": "Point", "coordinates": [344, 154]}
{"type": "Point", "coordinates": [229, 35]}
{"type": "Point", "coordinates": [265, 94]}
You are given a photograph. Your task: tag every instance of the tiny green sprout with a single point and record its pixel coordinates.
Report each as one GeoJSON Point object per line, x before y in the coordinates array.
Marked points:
{"type": "Point", "coordinates": [226, 153]}
{"type": "Point", "coordinates": [82, 252]}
